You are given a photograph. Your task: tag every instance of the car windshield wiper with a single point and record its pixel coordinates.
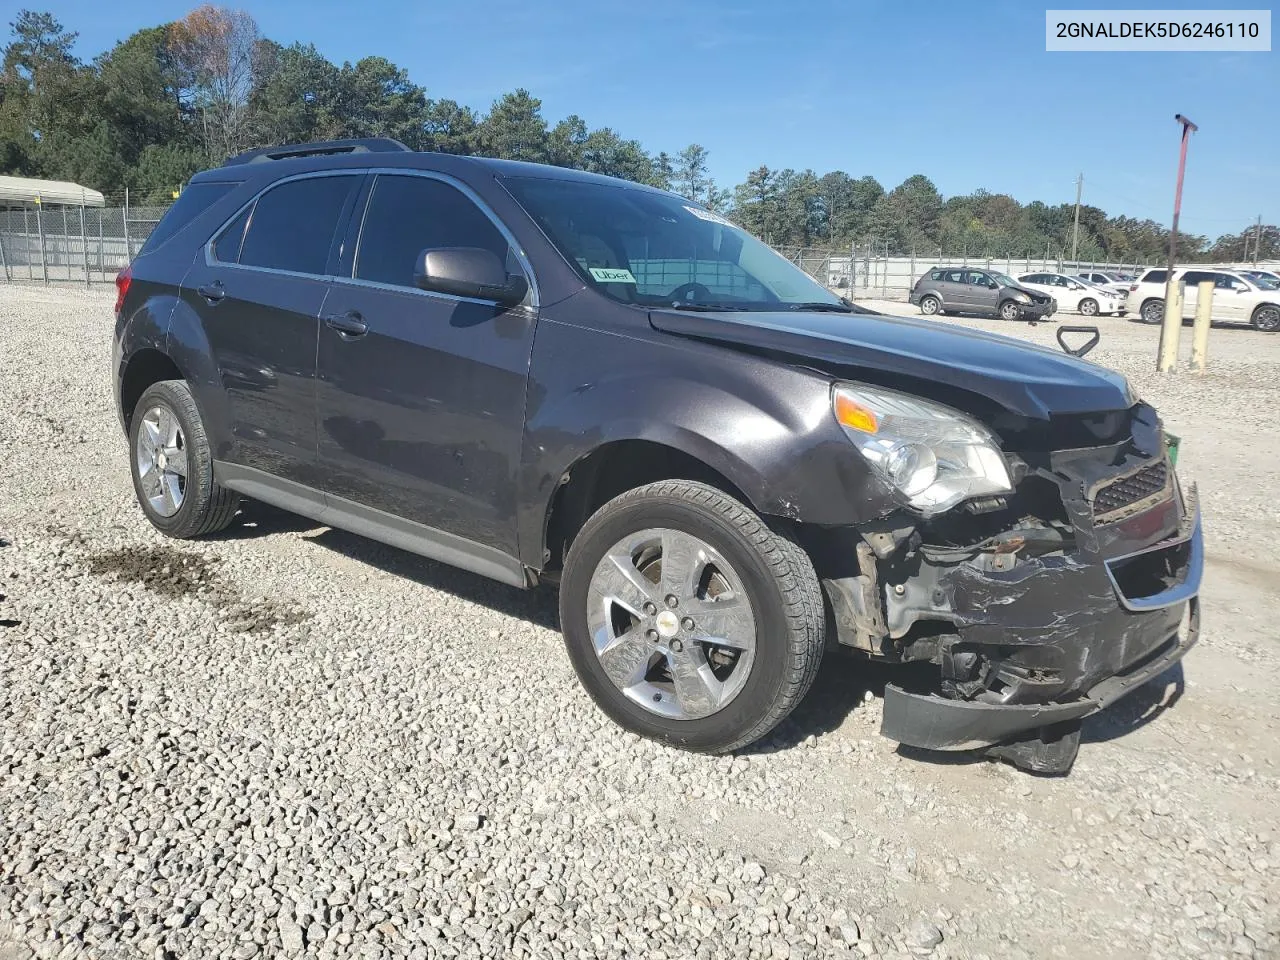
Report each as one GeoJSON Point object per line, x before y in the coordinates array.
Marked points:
{"type": "Point", "coordinates": [710, 307]}
{"type": "Point", "coordinates": [822, 306]}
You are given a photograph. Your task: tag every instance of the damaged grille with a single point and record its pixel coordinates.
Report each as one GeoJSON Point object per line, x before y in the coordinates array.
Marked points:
{"type": "Point", "coordinates": [1111, 501]}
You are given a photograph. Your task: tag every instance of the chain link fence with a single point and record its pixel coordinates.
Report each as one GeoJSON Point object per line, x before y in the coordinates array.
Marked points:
{"type": "Point", "coordinates": [43, 242]}
{"type": "Point", "coordinates": [866, 271]}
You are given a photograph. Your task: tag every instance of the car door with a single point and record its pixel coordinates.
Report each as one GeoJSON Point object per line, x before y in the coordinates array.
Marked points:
{"type": "Point", "coordinates": [1231, 300]}
{"type": "Point", "coordinates": [1066, 290]}
{"type": "Point", "coordinates": [420, 395]}
{"type": "Point", "coordinates": [258, 288]}
{"type": "Point", "coordinates": [983, 293]}
{"type": "Point", "coordinates": [954, 288]}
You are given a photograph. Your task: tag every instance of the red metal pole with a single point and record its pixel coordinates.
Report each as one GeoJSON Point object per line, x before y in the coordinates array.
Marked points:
{"type": "Point", "coordinates": [1167, 356]}
{"type": "Point", "coordinates": [1187, 127]}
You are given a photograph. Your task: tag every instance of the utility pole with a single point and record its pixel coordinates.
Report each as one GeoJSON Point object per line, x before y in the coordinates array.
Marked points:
{"type": "Point", "coordinates": [1075, 228]}
{"type": "Point", "coordinates": [1167, 360]}
{"type": "Point", "coordinates": [1257, 240]}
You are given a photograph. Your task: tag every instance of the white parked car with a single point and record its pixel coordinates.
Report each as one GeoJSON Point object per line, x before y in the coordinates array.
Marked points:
{"type": "Point", "coordinates": [1076, 295]}
{"type": "Point", "coordinates": [1111, 281]}
{"type": "Point", "coordinates": [1236, 298]}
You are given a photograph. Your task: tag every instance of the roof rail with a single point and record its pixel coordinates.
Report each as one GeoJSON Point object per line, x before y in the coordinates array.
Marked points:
{"type": "Point", "coordinates": [363, 145]}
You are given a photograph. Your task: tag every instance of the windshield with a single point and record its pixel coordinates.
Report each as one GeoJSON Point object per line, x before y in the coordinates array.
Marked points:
{"type": "Point", "coordinates": [1003, 280]}
{"type": "Point", "coordinates": [1264, 281]}
{"type": "Point", "coordinates": [653, 249]}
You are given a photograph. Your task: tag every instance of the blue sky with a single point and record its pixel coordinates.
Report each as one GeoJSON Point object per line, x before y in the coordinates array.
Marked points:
{"type": "Point", "coordinates": [962, 92]}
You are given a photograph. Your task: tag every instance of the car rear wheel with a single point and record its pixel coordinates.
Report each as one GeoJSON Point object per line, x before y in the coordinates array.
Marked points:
{"type": "Point", "coordinates": [172, 464]}
{"type": "Point", "coordinates": [1088, 307]}
{"type": "Point", "coordinates": [688, 619]}
{"type": "Point", "coordinates": [1152, 312]}
{"type": "Point", "coordinates": [1267, 318]}
{"type": "Point", "coordinates": [1010, 310]}
{"type": "Point", "coordinates": [930, 306]}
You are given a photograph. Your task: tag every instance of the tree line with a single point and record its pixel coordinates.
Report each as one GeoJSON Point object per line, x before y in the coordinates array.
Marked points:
{"type": "Point", "coordinates": [176, 98]}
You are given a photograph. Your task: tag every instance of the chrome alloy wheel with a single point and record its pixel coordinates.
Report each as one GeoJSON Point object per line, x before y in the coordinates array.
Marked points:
{"type": "Point", "coordinates": [161, 454]}
{"type": "Point", "coordinates": [671, 623]}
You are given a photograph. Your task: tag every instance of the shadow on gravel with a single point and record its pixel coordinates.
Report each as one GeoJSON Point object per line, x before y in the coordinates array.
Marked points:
{"type": "Point", "coordinates": [840, 688]}
{"type": "Point", "coordinates": [538, 606]}
{"type": "Point", "coordinates": [259, 520]}
{"type": "Point", "coordinates": [1138, 709]}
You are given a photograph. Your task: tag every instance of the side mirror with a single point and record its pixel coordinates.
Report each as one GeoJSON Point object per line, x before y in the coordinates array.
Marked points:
{"type": "Point", "coordinates": [468, 272]}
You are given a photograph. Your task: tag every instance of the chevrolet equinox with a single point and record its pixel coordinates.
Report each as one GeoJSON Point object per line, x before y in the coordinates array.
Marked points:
{"type": "Point", "coordinates": [543, 375]}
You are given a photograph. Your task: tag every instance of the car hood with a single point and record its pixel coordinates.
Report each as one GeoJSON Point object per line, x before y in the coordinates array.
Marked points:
{"type": "Point", "coordinates": [1026, 379]}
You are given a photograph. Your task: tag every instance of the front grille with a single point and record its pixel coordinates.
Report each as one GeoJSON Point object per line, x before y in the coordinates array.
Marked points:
{"type": "Point", "coordinates": [1137, 487]}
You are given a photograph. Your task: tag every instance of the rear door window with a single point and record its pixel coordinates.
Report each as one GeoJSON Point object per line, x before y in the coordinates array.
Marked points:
{"type": "Point", "coordinates": [226, 249]}
{"type": "Point", "coordinates": [292, 225]}
{"type": "Point", "coordinates": [407, 215]}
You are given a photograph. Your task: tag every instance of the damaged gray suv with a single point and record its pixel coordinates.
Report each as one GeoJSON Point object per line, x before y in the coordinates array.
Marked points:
{"type": "Point", "coordinates": [546, 376]}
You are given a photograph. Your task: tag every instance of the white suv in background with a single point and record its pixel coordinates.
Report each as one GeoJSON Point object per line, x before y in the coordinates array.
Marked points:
{"type": "Point", "coordinates": [1076, 295]}
{"type": "Point", "coordinates": [1236, 298]}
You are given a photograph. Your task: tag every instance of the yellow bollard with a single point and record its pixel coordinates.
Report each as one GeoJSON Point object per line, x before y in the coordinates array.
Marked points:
{"type": "Point", "coordinates": [1171, 329]}
{"type": "Point", "coordinates": [1200, 336]}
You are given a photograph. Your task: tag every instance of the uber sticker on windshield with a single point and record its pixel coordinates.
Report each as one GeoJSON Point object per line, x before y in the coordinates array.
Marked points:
{"type": "Point", "coordinates": [709, 216]}
{"type": "Point", "coordinates": [611, 275]}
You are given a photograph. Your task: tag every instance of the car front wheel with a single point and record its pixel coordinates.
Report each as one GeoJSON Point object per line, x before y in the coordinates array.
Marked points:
{"type": "Point", "coordinates": [1088, 307]}
{"type": "Point", "coordinates": [1009, 310]}
{"type": "Point", "coordinates": [930, 306]}
{"type": "Point", "coordinates": [688, 619]}
{"type": "Point", "coordinates": [1266, 318]}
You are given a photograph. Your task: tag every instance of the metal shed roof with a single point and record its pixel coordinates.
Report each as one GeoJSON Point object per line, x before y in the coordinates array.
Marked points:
{"type": "Point", "coordinates": [28, 190]}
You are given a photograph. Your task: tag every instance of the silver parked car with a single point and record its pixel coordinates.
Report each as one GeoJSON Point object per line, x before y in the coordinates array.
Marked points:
{"type": "Point", "coordinates": [968, 290]}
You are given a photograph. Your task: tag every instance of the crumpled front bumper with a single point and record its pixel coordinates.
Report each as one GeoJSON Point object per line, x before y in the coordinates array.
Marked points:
{"type": "Point", "coordinates": [1073, 637]}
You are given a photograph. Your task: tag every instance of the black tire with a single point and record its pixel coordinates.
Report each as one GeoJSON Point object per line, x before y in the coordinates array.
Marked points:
{"type": "Point", "coordinates": [1088, 307]}
{"type": "Point", "coordinates": [781, 586]}
{"type": "Point", "coordinates": [206, 507]}
{"type": "Point", "coordinates": [1266, 318]}
{"type": "Point", "coordinates": [1010, 310]}
{"type": "Point", "coordinates": [930, 306]}
{"type": "Point", "coordinates": [1152, 312]}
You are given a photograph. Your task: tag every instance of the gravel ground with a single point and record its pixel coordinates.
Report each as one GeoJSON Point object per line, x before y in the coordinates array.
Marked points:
{"type": "Point", "coordinates": [289, 741]}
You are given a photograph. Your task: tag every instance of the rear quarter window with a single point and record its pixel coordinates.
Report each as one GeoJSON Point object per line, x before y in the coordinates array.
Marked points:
{"type": "Point", "coordinates": [193, 201]}
{"type": "Point", "coordinates": [1156, 276]}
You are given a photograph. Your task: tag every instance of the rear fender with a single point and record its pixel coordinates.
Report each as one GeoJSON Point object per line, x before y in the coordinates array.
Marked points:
{"type": "Point", "coordinates": [189, 348]}
{"type": "Point", "coordinates": [143, 324]}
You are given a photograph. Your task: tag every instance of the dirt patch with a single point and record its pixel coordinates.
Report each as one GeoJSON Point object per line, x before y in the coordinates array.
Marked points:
{"type": "Point", "coordinates": [175, 573]}
{"type": "Point", "coordinates": [169, 572]}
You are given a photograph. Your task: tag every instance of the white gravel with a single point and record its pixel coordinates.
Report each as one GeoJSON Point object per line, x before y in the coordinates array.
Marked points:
{"type": "Point", "coordinates": [289, 741]}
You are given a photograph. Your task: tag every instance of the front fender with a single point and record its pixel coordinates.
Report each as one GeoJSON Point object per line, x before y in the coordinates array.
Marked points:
{"type": "Point", "coordinates": [763, 424]}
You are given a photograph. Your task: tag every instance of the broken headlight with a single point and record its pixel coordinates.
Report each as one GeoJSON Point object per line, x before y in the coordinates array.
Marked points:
{"type": "Point", "coordinates": [932, 455]}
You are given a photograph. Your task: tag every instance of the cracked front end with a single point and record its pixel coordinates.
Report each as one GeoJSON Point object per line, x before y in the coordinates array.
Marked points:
{"type": "Point", "coordinates": [1035, 608]}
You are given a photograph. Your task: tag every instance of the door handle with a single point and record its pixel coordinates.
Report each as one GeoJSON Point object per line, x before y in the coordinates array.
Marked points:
{"type": "Point", "coordinates": [349, 325]}
{"type": "Point", "coordinates": [212, 292]}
